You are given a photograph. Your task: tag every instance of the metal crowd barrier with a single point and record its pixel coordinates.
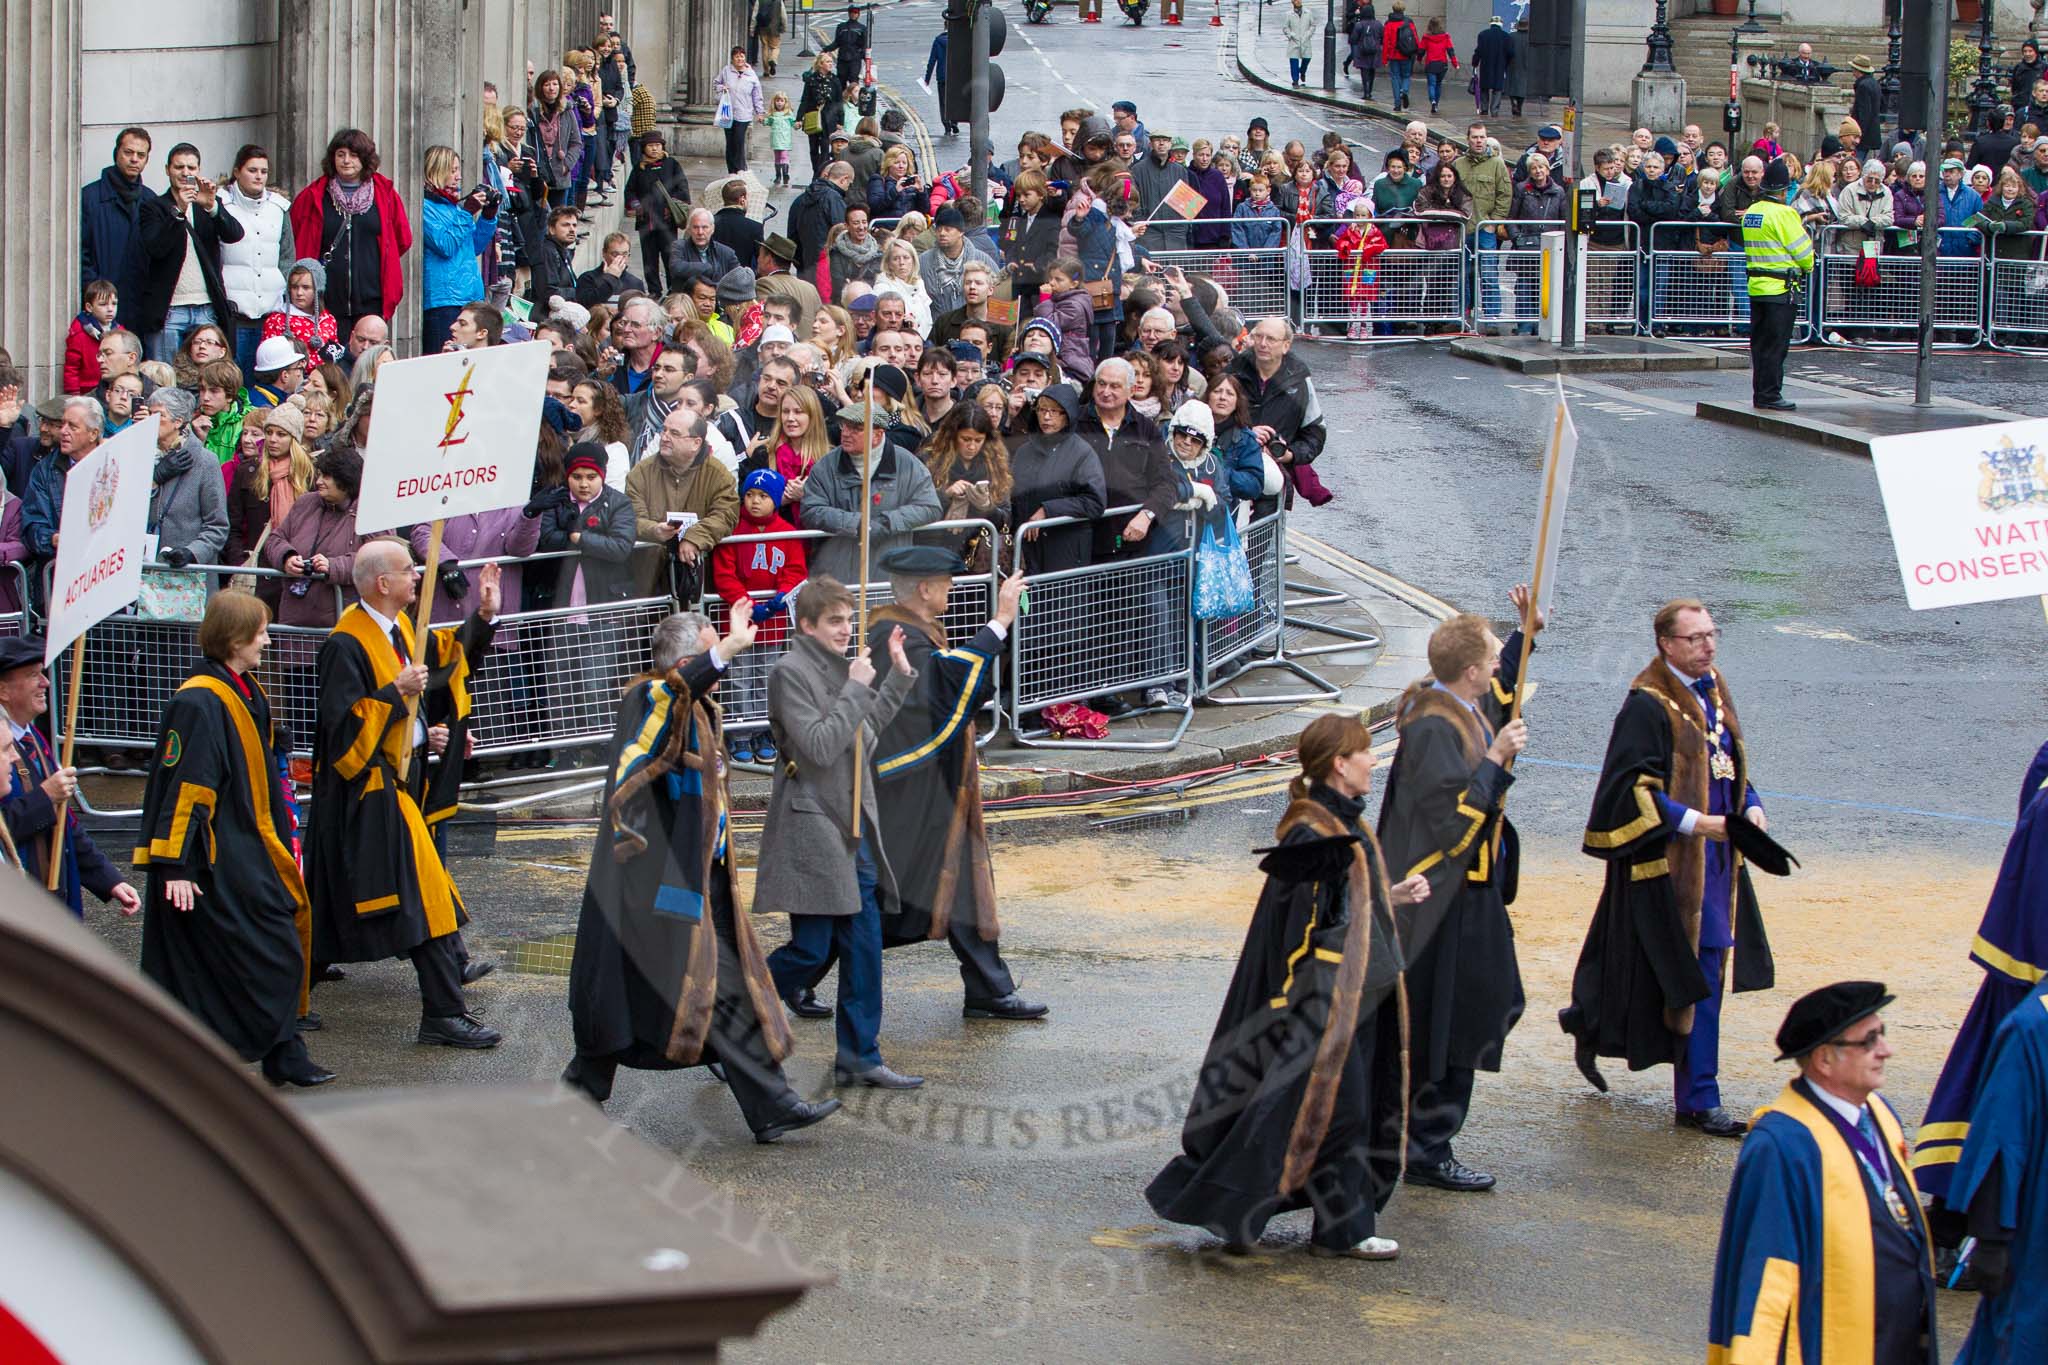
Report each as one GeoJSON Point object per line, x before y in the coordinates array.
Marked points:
{"type": "Point", "coordinates": [2019, 299]}
{"type": "Point", "coordinates": [1122, 626]}
{"type": "Point", "coordinates": [20, 621]}
{"type": "Point", "coordinates": [133, 663]}
{"type": "Point", "coordinates": [1253, 278]}
{"type": "Point", "coordinates": [1702, 292]}
{"type": "Point", "coordinates": [1228, 649]}
{"type": "Point", "coordinates": [1409, 286]}
{"type": "Point", "coordinates": [1893, 304]}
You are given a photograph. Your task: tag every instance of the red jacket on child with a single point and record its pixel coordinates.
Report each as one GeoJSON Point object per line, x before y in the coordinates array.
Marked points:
{"type": "Point", "coordinates": [82, 355]}
{"type": "Point", "coordinates": [762, 566]}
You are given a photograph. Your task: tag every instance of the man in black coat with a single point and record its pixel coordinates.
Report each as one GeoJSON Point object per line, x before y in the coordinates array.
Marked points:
{"type": "Point", "coordinates": [850, 48]}
{"type": "Point", "coordinates": [182, 229]}
{"type": "Point", "coordinates": [819, 209]}
{"type": "Point", "coordinates": [1286, 416]}
{"type": "Point", "coordinates": [732, 226]}
{"type": "Point", "coordinates": [109, 224]}
{"type": "Point", "coordinates": [1867, 106]}
{"type": "Point", "coordinates": [1492, 52]}
{"type": "Point", "coordinates": [697, 256]}
{"type": "Point", "coordinates": [554, 263]}
{"type": "Point", "coordinates": [1995, 145]}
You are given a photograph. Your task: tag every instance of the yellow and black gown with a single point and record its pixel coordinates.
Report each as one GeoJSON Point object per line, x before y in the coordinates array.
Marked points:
{"type": "Point", "coordinates": [215, 813]}
{"type": "Point", "coordinates": [379, 889]}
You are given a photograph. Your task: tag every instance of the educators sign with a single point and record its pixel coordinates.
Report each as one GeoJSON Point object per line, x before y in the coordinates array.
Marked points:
{"type": "Point", "coordinates": [1969, 511]}
{"type": "Point", "coordinates": [98, 569]}
{"type": "Point", "coordinates": [452, 434]}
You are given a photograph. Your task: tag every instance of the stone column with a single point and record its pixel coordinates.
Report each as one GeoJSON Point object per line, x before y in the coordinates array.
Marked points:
{"type": "Point", "coordinates": [707, 38]}
{"type": "Point", "coordinates": [39, 284]}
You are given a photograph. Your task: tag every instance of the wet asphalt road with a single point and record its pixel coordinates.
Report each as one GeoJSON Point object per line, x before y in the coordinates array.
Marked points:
{"type": "Point", "coordinates": [998, 1213]}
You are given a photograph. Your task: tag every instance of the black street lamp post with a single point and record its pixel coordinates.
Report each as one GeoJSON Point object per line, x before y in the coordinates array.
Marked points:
{"type": "Point", "coordinates": [1983, 96]}
{"type": "Point", "coordinates": [1660, 44]}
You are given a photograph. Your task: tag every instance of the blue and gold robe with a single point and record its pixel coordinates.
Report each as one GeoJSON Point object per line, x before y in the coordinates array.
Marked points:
{"type": "Point", "coordinates": [2012, 948]}
{"type": "Point", "coordinates": [1799, 1274]}
{"type": "Point", "coordinates": [2005, 1160]}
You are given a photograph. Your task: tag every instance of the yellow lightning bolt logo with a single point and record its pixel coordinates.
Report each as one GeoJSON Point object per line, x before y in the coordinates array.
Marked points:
{"type": "Point", "coordinates": [456, 399]}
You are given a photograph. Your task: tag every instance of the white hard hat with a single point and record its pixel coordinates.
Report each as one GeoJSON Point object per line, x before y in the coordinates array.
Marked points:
{"type": "Point", "coordinates": [277, 354]}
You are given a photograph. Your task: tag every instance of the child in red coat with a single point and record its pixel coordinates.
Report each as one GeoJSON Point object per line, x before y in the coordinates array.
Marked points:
{"type": "Point", "coordinates": [1358, 245]}
{"type": "Point", "coordinates": [769, 572]}
{"type": "Point", "coordinates": [82, 344]}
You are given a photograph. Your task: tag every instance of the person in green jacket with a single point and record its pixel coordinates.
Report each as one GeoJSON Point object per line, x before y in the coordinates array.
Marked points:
{"type": "Point", "coordinates": [1486, 177]}
{"type": "Point", "coordinates": [222, 407]}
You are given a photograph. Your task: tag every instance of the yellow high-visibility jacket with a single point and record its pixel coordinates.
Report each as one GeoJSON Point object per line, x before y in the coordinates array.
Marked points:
{"type": "Point", "coordinates": [1774, 246]}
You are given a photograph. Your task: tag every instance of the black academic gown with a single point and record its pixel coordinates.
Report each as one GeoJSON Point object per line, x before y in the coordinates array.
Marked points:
{"type": "Point", "coordinates": [378, 886]}
{"type": "Point", "coordinates": [1638, 974]}
{"type": "Point", "coordinates": [215, 813]}
{"type": "Point", "coordinates": [1280, 1117]}
{"type": "Point", "coordinates": [668, 972]}
{"type": "Point", "coordinates": [1442, 817]}
{"type": "Point", "coordinates": [928, 776]}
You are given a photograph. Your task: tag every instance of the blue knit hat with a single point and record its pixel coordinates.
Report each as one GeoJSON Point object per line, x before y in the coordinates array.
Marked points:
{"type": "Point", "coordinates": [768, 481]}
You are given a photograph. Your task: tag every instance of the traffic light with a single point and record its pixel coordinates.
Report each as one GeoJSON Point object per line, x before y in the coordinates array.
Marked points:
{"type": "Point", "coordinates": [957, 98]}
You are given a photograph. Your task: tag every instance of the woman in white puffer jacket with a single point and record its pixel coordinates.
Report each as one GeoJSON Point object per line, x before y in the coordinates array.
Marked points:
{"type": "Point", "coordinates": [252, 270]}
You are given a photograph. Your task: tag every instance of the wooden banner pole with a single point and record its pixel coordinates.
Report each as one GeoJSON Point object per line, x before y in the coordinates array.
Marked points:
{"type": "Point", "coordinates": [860, 634]}
{"type": "Point", "coordinates": [1536, 574]}
{"type": "Point", "coordinates": [56, 868]}
{"type": "Point", "coordinates": [422, 621]}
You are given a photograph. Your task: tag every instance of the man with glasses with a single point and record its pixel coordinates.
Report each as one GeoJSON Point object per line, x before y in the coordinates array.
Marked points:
{"type": "Point", "coordinates": [378, 886]}
{"type": "Point", "coordinates": [1678, 903]}
{"type": "Point", "coordinates": [637, 330]}
{"type": "Point", "coordinates": [1804, 1265]}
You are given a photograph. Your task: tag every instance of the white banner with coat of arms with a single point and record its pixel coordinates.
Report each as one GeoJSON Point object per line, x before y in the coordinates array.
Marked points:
{"type": "Point", "coordinates": [1968, 510]}
{"type": "Point", "coordinates": [98, 568]}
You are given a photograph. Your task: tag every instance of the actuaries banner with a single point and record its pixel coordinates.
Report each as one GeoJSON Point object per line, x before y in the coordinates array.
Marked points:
{"type": "Point", "coordinates": [98, 569]}
{"type": "Point", "coordinates": [1969, 511]}
{"type": "Point", "coordinates": [452, 434]}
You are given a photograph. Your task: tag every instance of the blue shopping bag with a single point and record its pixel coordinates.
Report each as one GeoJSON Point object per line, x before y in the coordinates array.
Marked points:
{"type": "Point", "coordinates": [1223, 576]}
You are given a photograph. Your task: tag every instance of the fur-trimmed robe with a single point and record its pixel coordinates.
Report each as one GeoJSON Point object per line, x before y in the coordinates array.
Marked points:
{"type": "Point", "coordinates": [1639, 972]}
{"type": "Point", "coordinates": [644, 982]}
{"type": "Point", "coordinates": [1280, 1113]}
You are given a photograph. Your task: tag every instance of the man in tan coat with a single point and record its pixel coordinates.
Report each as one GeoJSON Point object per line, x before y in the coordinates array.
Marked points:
{"type": "Point", "coordinates": [682, 501]}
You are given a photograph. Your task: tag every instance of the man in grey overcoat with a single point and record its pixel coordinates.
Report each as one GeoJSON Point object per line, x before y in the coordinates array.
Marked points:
{"type": "Point", "coordinates": [814, 865]}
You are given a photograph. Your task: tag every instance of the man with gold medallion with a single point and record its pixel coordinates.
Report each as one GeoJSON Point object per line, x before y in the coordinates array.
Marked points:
{"type": "Point", "coordinates": [1678, 910]}
{"type": "Point", "coordinates": [378, 886]}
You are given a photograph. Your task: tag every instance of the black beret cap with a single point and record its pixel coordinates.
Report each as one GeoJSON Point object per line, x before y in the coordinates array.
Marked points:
{"type": "Point", "coordinates": [19, 651]}
{"type": "Point", "coordinates": [1827, 1013]}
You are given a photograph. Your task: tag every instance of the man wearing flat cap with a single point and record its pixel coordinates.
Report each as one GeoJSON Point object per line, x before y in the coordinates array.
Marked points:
{"type": "Point", "coordinates": [1678, 910]}
{"type": "Point", "coordinates": [900, 492]}
{"type": "Point", "coordinates": [775, 277]}
{"type": "Point", "coordinates": [1824, 1252]}
{"type": "Point", "coordinates": [928, 778]}
{"type": "Point", "coordinates": [36, 783]}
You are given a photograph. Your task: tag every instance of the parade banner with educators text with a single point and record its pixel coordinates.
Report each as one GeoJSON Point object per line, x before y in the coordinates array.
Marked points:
{"type": "Point", "coordinates": [1968, 510]}
{"type": "Point", "coordinates": [98, 569]}
{"type": "Point", "coordinates": [453, 434]}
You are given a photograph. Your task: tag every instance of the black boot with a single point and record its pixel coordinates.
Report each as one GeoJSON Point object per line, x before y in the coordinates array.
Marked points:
{"type": "Point", "coordinates": [590, 1076]}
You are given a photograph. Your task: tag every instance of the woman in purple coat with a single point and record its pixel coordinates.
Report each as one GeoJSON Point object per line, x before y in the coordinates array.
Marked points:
{"type": "Point", "coordinates": [1212, 224]}
{"type": "Point", "coordinates": [507, 531]}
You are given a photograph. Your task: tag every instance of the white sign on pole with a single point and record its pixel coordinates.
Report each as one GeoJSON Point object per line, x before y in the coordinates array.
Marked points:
{"type": "Point", "coordinates": [98, 569]}
{"type": "Point", "coordinates": [1557, 482]}
{"type": "Point", "coordinates": [452, 434]}
{"type": "Point", "coordinates": [1969, 511]}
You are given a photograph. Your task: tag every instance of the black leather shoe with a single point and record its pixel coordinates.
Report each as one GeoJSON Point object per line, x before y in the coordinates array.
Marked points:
{"type": "Point", "coordinates": [1114, 705]}
{"type": "Point", "coordinates": [717, 1070]}
{"type": "Point", "coordinates": [1452, 1174]}
{"type": "Point", "coordinates": [803, 1115]}
{"type": "Point", "coordinates": [1777, 405]}
{"type": "Point", "coordinates": [1011, 1006]}
{"type": "Point", "coordinates": [1582, 1052]}
{"type": "Point", "coordinates": [879, 1076]}
{"type": "Point", "coordinates": [305, 1073]}
{"type": "Point", "coordinates": [461, 1031]}
{"type": "Point", "coordinates": [477, 968]}
{"type": "Point", "coordinates": [311, 1022]}
{"type": "Point", "coordinates": [1715, 1122]}
{"type": "Point", "coordinates": [330, 972]}
{"type": "Point", "coordinates": [805, 1005]}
